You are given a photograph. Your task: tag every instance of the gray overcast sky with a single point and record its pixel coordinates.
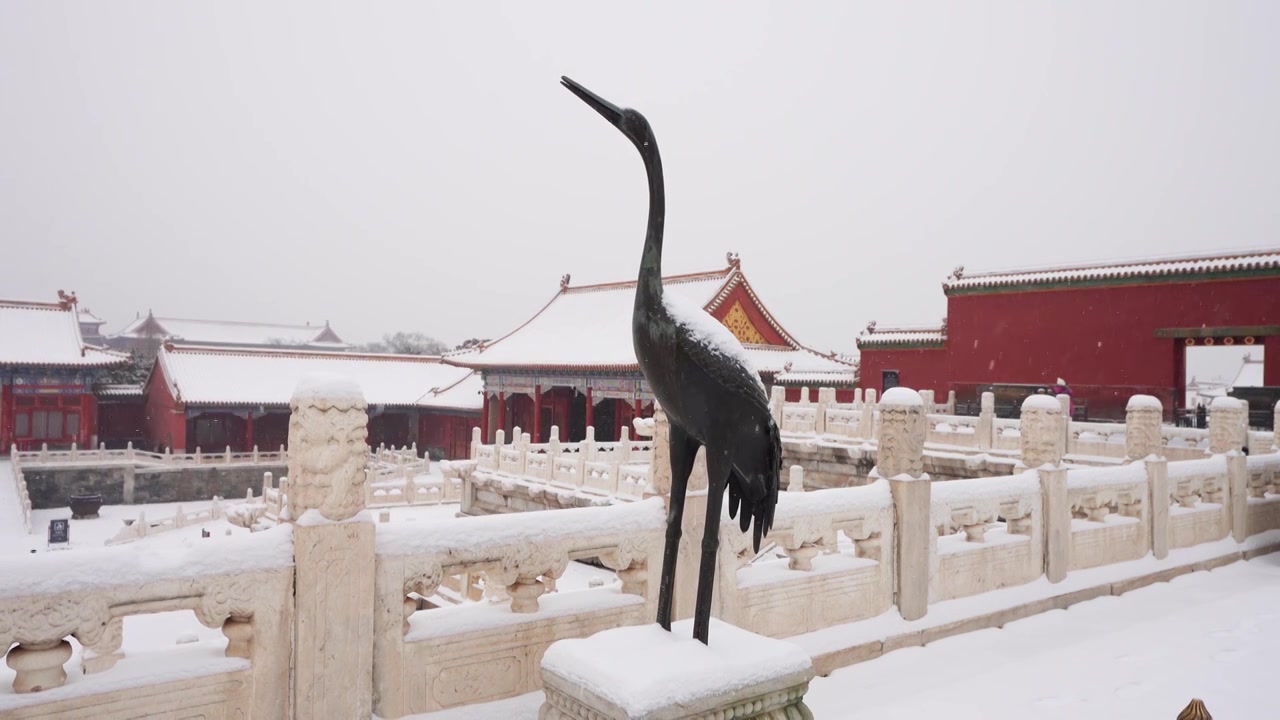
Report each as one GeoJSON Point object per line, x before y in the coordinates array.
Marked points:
{"type": "Point", "coordinates": [417, 165]}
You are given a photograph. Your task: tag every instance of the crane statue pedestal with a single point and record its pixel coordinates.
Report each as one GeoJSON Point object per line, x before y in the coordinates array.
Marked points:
{"type": "Point", "coordinates": [643, 671]}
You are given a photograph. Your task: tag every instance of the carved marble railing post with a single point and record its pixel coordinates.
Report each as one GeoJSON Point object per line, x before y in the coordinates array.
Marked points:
{"type": "Point", "coordinates": [866, 424]}
{"type": "Point", "coordinates": [777, 399]}
{"type": "Point", "coordinates": [951, 402]}
{"type": "Point", "coordinates": [1228, 425]}
{"type": "Point", "coordinates": [660, 472]}
{"type": "Point", "coordinates": [1064, 402]}
{"type": "Point", "coordinates": [1142, 427]}
{"type": "Point", "coordinates": [826, 398]}
{"type": "Point", "coordinates": [1057, 523]}
{"type": "Point", "coordinates": [333, 550]}
{"type": "Point", "coordinates": [900, 459]}
{"type": "Point", "coordinates": [796, 481]}
{"type": "Point", "coordinates": [987, 421]}
{"type": "Point", "coordinates": [930, 406]}
{"type": "Point", "coordinates": [1237, 495]}
{"type": "Point", "coordinates": [1275, 423]}
{"type": "Point", "coordinates": [1158, 486]}
{"type": "Point", "coordinates": [1043, 439]}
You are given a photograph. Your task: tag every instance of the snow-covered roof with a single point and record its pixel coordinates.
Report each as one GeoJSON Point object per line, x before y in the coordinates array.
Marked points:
{"type": "Point", "coordinates": [119, 390]}
{"type": "Point", "coordinates": [589, 327]}
{"type": "Point", "coordinates": [88, 318]}
{"type": "Point", "coordinates": [848, 378]}
{"type": "Point", "coordinates": [47, 335]}
{"type": "Point", "coordinates": [466, 394]}
{"type": "Point", "coordinates": [199, 375]}
{"type": "Point", "coordinates": [1149, 268]}
{"type": "Point", "coordinates": [774, 359]}
{"type": "Point", "coordinates": [225, 333]}
{"type": "Point", "coordinates": [874, 337]}
{"type": "Point", "coordinates": [1250, 374]}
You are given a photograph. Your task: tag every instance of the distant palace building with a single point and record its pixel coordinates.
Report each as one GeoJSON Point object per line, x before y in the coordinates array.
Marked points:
{"type": "Point", "coordinates": [146, 332]}
{"type": "Point", "coordinates": [47, 375]}
{"type": "Point", "coordinates": [218, 397]}
{"type": "Point", "coordinates": [1109, 330]}
{"type": "Point", "coordinates": [574, 362]}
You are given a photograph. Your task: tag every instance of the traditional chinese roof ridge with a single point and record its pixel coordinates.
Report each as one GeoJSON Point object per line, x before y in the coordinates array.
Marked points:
{"type": "Point", "coordinates": [588, 327]}
{"type": "Point", "coordinates": [203, 375]}
{"type": "Point", "coordinates": [1167, 268]}
{"type": "Point", "coordinates": [232, 332]}
{"type": "Point", "coordinates": [467, 393]}
{"type": "Point", "coordinates": [119, 390]}
{"type": "Point", "coordinates": [88, 317]}
{"type": "Point", "coordinates": [842, 378]}
{"type": "Point", "coordinates": [47, 334]}
{"type": "Point", "coordinates": [903, 336]}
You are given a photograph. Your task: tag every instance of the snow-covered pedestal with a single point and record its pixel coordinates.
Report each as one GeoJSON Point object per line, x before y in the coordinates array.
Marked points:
{"type": "Point", "coordinates": [644, 671]}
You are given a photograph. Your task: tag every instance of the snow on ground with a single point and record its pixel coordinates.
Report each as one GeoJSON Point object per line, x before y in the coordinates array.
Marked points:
{"type": "Point", "coordinates": [1144, 654]}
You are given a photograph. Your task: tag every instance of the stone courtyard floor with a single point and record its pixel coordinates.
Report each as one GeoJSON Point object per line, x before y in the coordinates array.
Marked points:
{"type": "Point", "coordinates": [1214, 635]}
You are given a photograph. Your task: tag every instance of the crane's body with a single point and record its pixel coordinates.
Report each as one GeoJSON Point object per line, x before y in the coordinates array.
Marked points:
{"type": "Point", "coordinates": [712, 396]}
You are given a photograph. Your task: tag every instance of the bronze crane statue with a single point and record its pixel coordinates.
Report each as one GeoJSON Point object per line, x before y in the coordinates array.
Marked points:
{"type": "Point", "coordinates": [713, 398]}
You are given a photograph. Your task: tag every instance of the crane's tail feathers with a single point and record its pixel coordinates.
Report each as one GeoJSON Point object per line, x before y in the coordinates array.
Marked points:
{"type": "Point", "coordinates": [758, 495]}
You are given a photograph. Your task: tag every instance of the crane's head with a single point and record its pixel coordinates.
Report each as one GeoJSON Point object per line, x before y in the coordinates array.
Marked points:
{"type": "Point", "coordinates": [631, 123]}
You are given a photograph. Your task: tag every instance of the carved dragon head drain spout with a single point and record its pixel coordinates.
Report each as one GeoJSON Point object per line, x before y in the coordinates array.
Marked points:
{"type": "Point", "coordinates": [711, 393]}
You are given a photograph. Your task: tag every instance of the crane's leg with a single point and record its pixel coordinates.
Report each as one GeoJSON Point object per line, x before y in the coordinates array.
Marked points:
{"type": "Point", "coordinates": [718, 467]}
{"type": "Point", "coordinates": [684, 450]}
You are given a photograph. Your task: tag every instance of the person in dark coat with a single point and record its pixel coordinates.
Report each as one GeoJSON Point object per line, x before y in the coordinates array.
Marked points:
{"type": "Point", "coordinates": [1061, 388]}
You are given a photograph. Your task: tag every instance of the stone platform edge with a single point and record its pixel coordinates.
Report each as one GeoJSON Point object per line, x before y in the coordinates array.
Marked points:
{"type": "Point", "coordinates": [828, 661]}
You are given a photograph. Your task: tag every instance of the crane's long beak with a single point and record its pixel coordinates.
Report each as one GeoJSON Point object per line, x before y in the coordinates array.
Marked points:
{"type": "Point", "coordinates": [607, 110]}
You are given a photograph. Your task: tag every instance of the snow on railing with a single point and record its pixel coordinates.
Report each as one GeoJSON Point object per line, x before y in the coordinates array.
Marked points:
{"type": "Point", "coordinates": [995, 523]}
{"type": "Point", "coordinates": [242, 584]}
{"type": "Point", "coordinates": [832, 547]}
{"type": "Point", "coordinates": [101, 455]}
{"type": "Point", "coordinates": [409, 487]}
{"type": "Point", "coordinates": [611, 468]}
{"type": "Point", "coordinates": [140, 527]}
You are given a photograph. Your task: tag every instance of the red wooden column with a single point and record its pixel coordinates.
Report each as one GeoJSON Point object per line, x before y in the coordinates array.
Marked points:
{"type": "Point", "coordinates": [537, 413]}
{"type": "Point", "coordinates": [591, 410]}
{"type": "Point", "coordinates": [502, 412]}
{"type": "Point", "coordinates": [248, 432]}
{"type": "Point", "coordinates": [639, 408]}
{"type": "Point", "coordinates": [484, 420]}
{"type": "Point", "coordinates": [85, 435]}
{"type": "Point", "coordinates": [6, 417]}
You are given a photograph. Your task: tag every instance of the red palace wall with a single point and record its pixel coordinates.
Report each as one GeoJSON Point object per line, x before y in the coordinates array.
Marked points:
{"type": "Point", "coordinates": [1100, 339]}
{"type": "Point", "coordinates": [166, 424]}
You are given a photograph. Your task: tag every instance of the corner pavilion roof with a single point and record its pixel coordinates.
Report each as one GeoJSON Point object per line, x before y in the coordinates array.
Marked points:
{"type": "Point", "coordinates": [43, 334]}
{"type": "Point", "coordinates": [588, 328]}
{"type": "Point", "coordinates": [1169, 268]}
{"type": "Point", "coordinates": [200, 375]}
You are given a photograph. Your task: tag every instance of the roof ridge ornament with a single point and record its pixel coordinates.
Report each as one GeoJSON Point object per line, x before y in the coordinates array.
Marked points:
{"type": "Point", "coordinates": [734, 261]}
{"type": "Point", "coordinates": [564, 281]}
{"type": "Point", "coordinates": [66, 301]}
{"type": "Point", "coordinates": [871, 327]}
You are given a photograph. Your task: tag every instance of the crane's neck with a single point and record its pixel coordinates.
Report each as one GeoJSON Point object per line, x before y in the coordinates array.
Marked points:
{"type": "Point", "coordinates": [649, 287]}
